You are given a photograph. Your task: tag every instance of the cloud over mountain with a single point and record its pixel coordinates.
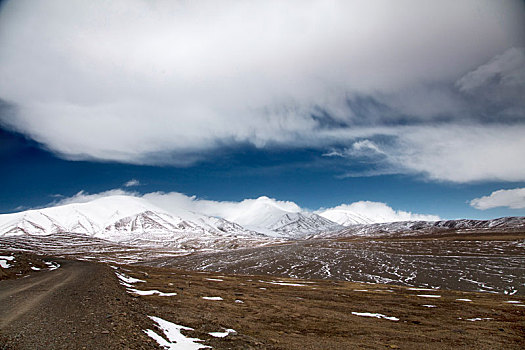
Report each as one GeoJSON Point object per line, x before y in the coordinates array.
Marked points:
{"type": "Point", "coordinates": [254, 210]}
{"type": "Point", "coordinates": [381, 212]}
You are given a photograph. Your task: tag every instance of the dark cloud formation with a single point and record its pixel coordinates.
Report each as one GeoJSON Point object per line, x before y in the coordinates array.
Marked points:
{"type": "Point", "coordinates": [167, 82]}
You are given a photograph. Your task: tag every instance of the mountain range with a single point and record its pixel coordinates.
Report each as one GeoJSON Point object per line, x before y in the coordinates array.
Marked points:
{"type": "Point", "coordinates": [127, 218]}
{"type": "Point", "coordinates": [135, 220]}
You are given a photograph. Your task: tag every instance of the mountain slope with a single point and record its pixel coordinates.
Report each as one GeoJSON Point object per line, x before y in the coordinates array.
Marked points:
{"type": "Point", "coordinates": [346, 217]}
{"type": "Point", "coordinates": [126, 219]}
{"type": "Point", "coordinates": [301, 224]}
{"type": "Point", "coordinates": [413, 228]}
{"type": "Point", "coordinates": [280, 219]}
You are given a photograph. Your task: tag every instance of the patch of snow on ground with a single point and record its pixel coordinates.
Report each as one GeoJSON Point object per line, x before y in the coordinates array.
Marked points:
{"type": "Point", "coordinates": [150, 292]}
{"type": "Point", "coordinates": [288, 284]}
{"type": "Point", "coordinates": [428, 296]}
{"type": "Point", "coordinates": [239, 301]}
{"type": "Point", "coordinates": [368, 314]}
{"type": "Point", "coordinates": [214, 279]}
{"type": "Point", "coordinates": [4, 261]}
{"type": "Point", "coordinates": [52, 265]}
{"type": "Point", "coordinates": [463, 300]}
{"type": "Point", "coordinates": [478, 319]}
{"type": "Point", "coordinates": [127, 279]}
{"type": "Point", "coordinates": [428, 305]}
{"type": "Point", "coordinates": [212, 298]}
{"type": "Point", "coordinates": [176, 340]}
{"type": "Point", "coordinates": [360, 290]}
{"type": "Point", "coordinates": [513, 302]}
{"type": "Point", "coordinates": [34, 268]}
{"type": "Point", "coordinates": [223, 334]}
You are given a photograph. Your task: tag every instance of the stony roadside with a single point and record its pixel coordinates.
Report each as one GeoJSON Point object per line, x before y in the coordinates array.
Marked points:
{"type": "Point", "coordinates": [79, 305]}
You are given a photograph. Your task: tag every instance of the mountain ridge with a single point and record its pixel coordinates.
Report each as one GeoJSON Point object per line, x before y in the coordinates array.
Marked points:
{"type": "Point", "coordinates": [128, 219]}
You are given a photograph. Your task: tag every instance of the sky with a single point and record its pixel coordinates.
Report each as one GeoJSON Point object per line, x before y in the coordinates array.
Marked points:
{"type": "Point", "coordinates": [418, 105]}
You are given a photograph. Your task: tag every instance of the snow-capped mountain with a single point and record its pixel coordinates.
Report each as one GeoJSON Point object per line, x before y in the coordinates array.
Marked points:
{"type": "Point", "coordinates": [125, 218]}
{"type": "Point", "coordinates": [346, 217]}
{"type": "Point", "coordinates": [411, 228]}
{"type": "Point", "coordinates": [280, 219]}
{"type": "Point", "coordinates": [301, 224]}
{"type": "Point", "coordinates": [122, 219]}
{"type": "Point", "coordinates": [135, 220]}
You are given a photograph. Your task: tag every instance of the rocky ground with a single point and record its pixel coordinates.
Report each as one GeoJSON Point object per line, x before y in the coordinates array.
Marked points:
{"type": "Point", "coordinates": [473, 264]}
{"type": "Point", "coordinates": [47, 302]}
{"type": "Point", "coordinates": [69, 305]}
{"type": "Point", "coordinates": [84, 305]}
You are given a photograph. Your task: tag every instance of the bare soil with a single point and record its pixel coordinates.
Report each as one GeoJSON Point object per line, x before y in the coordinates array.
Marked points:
{"type": "Point", "coordinates": [80, 305]}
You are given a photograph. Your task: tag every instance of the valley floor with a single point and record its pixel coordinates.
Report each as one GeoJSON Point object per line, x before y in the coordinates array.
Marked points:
{"type": "Point", "coordinates": [100, 306]}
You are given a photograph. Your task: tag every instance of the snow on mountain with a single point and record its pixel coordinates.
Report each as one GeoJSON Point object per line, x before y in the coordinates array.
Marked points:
{"type": "Point", "coordinates": [346, 217]}
{"type": "Point", "coordinates": [135, 220]}
{"type": "Point", "coordinates": [410, 228]}
{"type": "Point", "coordinates": [123, 219]}
{"type": "Point", "coordinates": [301, 224]}
{"type": "Point", "coordinates": [261, 212]}
{"type": "Point", "coordinates": [87, 218]}
{"type": "Point", "coordinates": [279, 219]}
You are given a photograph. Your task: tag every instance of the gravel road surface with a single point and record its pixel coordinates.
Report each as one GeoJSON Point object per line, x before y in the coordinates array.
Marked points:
{"type": "Point", "coordinates": [80, 305]}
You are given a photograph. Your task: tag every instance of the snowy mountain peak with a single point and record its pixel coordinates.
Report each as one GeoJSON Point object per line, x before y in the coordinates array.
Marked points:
{"type": "Point", "coordinates": [262, 212]}
{"type": "Point", "coordinates": [346, 217]}
{"type": "Point", "coordinates": [123, 219]}
{"type": "Point", "coordinates": [302, 224]}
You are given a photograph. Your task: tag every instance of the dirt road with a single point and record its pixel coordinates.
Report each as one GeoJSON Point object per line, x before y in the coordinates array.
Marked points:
{"type": "Point", "coordinates": [77, 306]}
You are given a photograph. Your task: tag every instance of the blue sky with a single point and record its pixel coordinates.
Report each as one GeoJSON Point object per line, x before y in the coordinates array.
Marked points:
{"type": "Point", "coordinates": [418, 105]}
{"type": "Point", "coordinates": [33, 177]}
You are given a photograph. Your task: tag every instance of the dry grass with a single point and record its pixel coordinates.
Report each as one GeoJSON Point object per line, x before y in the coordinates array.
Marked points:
{"type": "Point", "coordinates": [318, 314]}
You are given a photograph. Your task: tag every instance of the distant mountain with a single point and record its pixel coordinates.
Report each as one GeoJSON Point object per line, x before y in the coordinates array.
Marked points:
{"type": "Point", "coordinates": [129, 219]}
{"type": "Point", "coordinates": [413, 228]}
{"type": "Point", "coordinates": [123, 219]}
{"type": "Point", "coordinates": [269, 217]}
{"type": "Point", "coordinates": [347, 218]}
{"type": "Point", "coordinates": [136, 221]}
{"type": "Point", "coordinates": [301, 224]}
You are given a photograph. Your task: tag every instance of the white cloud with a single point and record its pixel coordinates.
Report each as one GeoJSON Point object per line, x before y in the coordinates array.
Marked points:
{"type": "Point", "coordinates": [132, 183]}
{"type": "Point", "coordinates": [163, 81]}
{"type": "Point", "coordinates": [84, 197]}
{"type": "Point", "coordinates": [381, 212]}
{"type": "Point", "coordinates": [247, 210]}
{"type": "Point", "coordinates": [514, 199]}
{"type": "Point", "coordinates": [362, 148]}
{"type": "Point", "coordinates": [366, 146]}
{"type": "Point", "coordinates": [456, 153]}
{"type": "Point", "coordinates": [462, 153]}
